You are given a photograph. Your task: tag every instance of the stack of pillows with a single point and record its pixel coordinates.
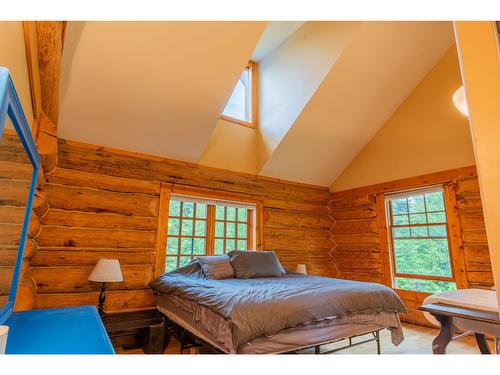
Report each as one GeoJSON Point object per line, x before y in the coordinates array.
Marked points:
{"type": "Point", "coordinates": [241, 264]}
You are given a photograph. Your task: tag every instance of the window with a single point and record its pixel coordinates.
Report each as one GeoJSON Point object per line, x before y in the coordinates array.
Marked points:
{"type": "Point", "coordinates": [241, 107]}
{"type": "Point", "coordinates": [420, 254]}
{"type": "Point", "coordinates": [199, 226]}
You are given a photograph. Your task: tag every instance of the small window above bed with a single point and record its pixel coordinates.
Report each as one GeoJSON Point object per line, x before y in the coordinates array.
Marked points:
{"type": "Point", "coordinates": [418, 239]}
{"type": "Point", "coordinates": [203, 226]}
{"type": "Point", "coordinates": [241, 108]}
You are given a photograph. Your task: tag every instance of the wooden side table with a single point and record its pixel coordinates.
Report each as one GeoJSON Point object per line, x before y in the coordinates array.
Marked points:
{"type": "Point", "coordinates": [144, 329]}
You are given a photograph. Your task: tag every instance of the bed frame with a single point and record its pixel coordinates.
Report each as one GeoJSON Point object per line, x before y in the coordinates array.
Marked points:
{"type": "Point", "coordinates": [189, 339]}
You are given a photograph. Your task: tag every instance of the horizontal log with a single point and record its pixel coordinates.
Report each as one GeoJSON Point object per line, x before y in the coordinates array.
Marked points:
{"type": "Point", "coordinates": [12, 214]}
{"type": "Point", "coordinates": [81, 237]}
{"type": "Point", "coordinates": [356, 239]}
{"type": "Point", "coordinates": [480, 286]}
{"type": "Point", "coordinates": [365, 212]}
{"type": "Point", "coordinates": [291, 205]}
{"type": "Point", "coordinates": [410, 183]}
{"type": "Point", "coordinates": [357, 201]}
{"type": "Point", "coordinates": [12, 150]}
{"type": "Point", "coordinates": [471, 219]}
{"type": "Point", "coordinates": [355, 227]}
{"type": "Point", "coordinates": [478, 266]}
{"type": "Point", "coordinates": [8, 253]}
{"type": "Point", "coordinates": [115, 300]}
{"type": "Point", "coordinates": [479, 277]}
{"type": "Point", "coordinates": [302, 245]}
{"type": "Point", "coordinates": [91, 200]}
{"type": "Point", "coordinates": [474, 236]}
{"type": "Point", "coordinates": [14, 192]}
{"type": "Point", "coordinates": [477, 253]}
{"type": "Point", "coordinates": [133, 166]}
{"type": "Point", "coordinates": [98, 220]}
{"type": "Point", "coordinates": [359, 266]}
{"type": "Point", "coordinates": [467, 185]}
{"type": "Point", "coordinates": [372, 278]}
{"type": "Point", "coordinates": [356, 248]}
{"type": "Point", "coordinates": [285, 232]}
{"type": "Point", "coordinates": [16, 171]}
{"type": "Point", "coordinates": [296, 219]}
{"type": "Point", "coordinates": [469, 202]}
{"type": "Point", "coordinates": [70, 177]}
{"type": "Point", "coordinates": [10, 234]}
{"type": "Point", "coordinates": [69, 279]}
{"type": "Point", "coordinates": [291, 255]}
{"type": "Point", "coordinates": [8, 256]}
{"type": "Point", "coordinates": [339, 256]}
{"type": "Point", "coordinates": [83, 257]}
{"type": "Point", "coordinates": [5, 278]}
{"type": "Point", "coordinates": [327, 270]}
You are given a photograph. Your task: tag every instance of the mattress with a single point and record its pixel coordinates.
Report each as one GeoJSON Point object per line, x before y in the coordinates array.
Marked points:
{"type": "Point", "coordinates": [216, 330]}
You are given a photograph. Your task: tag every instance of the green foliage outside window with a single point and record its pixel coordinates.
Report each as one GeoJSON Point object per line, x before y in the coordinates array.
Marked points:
{"type": "Point", "coordinates": [420, 241]}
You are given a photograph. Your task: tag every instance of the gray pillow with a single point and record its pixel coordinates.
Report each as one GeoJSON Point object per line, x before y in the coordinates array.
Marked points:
{"type": "Point", "coordinates": [216, 266]}
{"type": "Point", "coordinates": [251, 264]}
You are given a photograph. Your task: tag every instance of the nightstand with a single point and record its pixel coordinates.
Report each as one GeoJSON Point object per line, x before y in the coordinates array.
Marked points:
{"type": "Point", "coordinates": [137, 329]}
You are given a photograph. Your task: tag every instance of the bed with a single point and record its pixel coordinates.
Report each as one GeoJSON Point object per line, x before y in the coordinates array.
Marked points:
{"type": "Point", "coordinates": [276, 314]}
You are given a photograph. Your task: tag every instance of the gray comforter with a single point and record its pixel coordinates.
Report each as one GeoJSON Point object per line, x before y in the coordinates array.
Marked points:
{"type": "Point", "coordinates": [265, 306]}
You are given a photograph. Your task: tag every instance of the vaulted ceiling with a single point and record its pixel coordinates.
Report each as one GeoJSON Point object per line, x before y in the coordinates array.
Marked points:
{"type": "Point", "coordinates": [160, 87]}
{"type": "Point", "coordinates": [151, 87]}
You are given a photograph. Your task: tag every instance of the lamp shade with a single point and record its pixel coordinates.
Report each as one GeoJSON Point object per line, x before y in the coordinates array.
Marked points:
{"type": "Point", "coordinates": [460, 101]}
{"type": "Point", "coordinates": [301, 268]}
{"type": "Point", "coordinates": [107, 271]}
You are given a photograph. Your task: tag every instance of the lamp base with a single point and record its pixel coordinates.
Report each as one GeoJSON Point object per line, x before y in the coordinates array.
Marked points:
{"type": "Point", "coordinates": [102, 298]}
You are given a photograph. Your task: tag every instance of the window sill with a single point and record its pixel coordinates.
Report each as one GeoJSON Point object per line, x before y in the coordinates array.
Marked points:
{"type": "Point", "coordinates": [239, 122]}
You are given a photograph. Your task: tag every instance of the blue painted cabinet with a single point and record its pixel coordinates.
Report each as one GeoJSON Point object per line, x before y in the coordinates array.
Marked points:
{"type": "Point", "coordinates": [69, 330]}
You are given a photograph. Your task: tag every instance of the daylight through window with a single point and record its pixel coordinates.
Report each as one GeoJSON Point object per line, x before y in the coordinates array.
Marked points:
{"type": "Point", "coordinates": [198, 226]}
{"type": "Point", "coordinates": [419, 241]}
{"type": "Point", "coordinates": [241, 106]}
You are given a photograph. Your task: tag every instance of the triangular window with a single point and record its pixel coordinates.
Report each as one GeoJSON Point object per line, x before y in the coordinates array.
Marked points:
{"type": "Point", "coordinates": [241, 107]}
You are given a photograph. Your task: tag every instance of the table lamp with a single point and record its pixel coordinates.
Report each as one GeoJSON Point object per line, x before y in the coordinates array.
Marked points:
{"type": "Point", "coordinates": [301, 268]}
{"type": "Point", "coordinates": [105, 271]}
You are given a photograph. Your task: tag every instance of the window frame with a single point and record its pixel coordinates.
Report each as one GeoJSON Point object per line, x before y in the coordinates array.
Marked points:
{"type": "Point", "coordinates": [389, 220]}
{"type": "Point", "coordinates": [253, 66]}
{"type": "Point", "coordinates": [166, 192]}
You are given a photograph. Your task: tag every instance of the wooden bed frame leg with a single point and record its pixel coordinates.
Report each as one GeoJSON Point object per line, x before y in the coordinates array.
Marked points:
{"type": "Point", "coordinates": [316, 350]}
{"type": "Point", "coordinates": [442, 340]}
{"type": "Point", "coordinates": [482, 344]}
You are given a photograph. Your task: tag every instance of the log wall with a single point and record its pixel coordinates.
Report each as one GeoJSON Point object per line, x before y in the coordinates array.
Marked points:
{"type": "Point", "coordinates": [101, 203]}
{"type": "Point", "coordinates": [359, 243]}
{"type": "Point", "coordinates": [15, 177]}
{"type": "Point", "coordinates": [104, 203]}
